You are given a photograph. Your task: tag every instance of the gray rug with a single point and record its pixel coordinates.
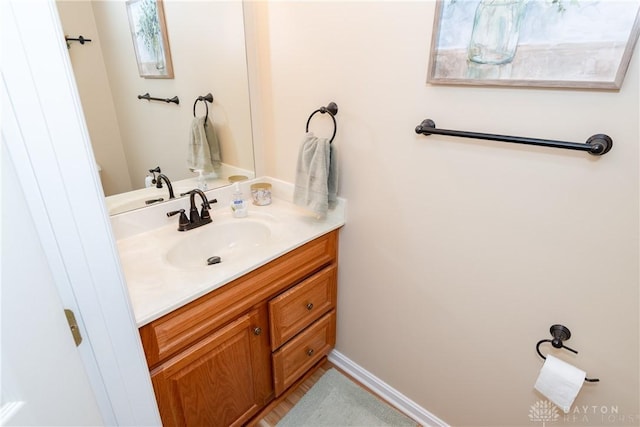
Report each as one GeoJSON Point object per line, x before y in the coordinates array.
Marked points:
{"type": "Point", "coordinates": [336, 401]}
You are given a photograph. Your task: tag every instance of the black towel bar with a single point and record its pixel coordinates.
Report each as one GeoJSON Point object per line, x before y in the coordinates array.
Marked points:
{"type": "Point", "coordinates": [596, 145]}
{"type": "Point", "coordinates": [148, 97]}
{"type": "Point", "coordinates": [332, 109]}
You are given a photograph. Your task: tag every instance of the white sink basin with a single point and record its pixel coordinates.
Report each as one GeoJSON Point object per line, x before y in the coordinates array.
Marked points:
{"type": "Point", "coordinates": [223, 240]}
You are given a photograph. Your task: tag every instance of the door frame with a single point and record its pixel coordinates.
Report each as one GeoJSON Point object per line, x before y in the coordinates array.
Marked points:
{"type": "Point", "coordinates": [59, 177]}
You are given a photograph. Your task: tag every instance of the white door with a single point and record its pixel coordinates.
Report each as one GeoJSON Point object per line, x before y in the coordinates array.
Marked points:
{"type": "Point", "coordinates": [43, 379]}
{"type": "Point", "coordinates": [51, 155]}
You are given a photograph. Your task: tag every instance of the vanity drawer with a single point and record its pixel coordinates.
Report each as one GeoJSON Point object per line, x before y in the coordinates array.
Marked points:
{"type": "Point", "coordinates": [300, 306]}
{"type": "Point", "coordinates": [296, 357]}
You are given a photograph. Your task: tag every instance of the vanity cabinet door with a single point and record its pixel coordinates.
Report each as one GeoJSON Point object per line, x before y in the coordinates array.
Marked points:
{"type": "Point", "coordinates": [222, 380]}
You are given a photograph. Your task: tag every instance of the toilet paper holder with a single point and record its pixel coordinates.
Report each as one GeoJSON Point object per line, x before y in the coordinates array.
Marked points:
{"type": "Point", "coordinates": [560, 334]}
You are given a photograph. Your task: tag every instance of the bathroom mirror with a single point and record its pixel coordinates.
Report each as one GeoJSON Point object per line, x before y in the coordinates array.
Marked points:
{"type": "Point", "coordinates": [129, 135]}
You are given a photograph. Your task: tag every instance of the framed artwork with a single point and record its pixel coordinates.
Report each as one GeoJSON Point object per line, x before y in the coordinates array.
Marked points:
{"type": "Point", "coordinates": [545, 43]}
{"type": "Point", "coordinates": [150, 42]}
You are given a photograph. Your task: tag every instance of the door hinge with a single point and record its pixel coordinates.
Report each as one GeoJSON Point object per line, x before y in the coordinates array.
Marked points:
{"type": "Point", "coordinates": [73, 325]}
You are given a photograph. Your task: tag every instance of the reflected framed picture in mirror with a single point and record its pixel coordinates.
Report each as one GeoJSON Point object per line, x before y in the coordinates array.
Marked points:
{"type": "Point", "coordinates": [150, 41]}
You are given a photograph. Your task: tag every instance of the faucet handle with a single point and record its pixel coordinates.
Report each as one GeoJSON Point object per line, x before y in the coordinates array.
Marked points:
{"type": "Point", "coordinates": [154, 171]}
{"type": "Point", "coordinates": [204, 212]}
{"type": "Point", "coordinates": [183, 221]}
{"type": "Point", "coordinates": [152, 201]}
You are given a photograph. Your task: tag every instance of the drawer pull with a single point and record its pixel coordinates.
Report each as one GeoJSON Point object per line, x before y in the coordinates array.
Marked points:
{"type": "Point", "coordinates": [257, 331]}
{"type": "Point", "coordinates": [310, 306]}
{"type": "Point", "coordinates": [310, 352]}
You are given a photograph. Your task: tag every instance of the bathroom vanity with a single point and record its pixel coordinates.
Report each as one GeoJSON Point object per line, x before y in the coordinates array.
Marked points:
{"type": "Point", "coordinates": [219, 359]}
{"type": "Point", "coordinates": [236, 336]}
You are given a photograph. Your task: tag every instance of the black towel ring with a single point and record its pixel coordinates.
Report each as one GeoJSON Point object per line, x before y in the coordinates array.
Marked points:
{"type": "Point", "coordinates": [332, 109]}
{"type": "Point", "coordinates": [207, 98]}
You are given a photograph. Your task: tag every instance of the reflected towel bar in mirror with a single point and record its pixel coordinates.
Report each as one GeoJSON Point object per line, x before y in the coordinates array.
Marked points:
{"type": "Point", "coordinates": [148, 97]}
{"type": "Point", "coordinates": [208, 98]}
{"type": "Point", "coordinates": [80, 39]}
{"type": "Point", "coordinates": [596, 145]}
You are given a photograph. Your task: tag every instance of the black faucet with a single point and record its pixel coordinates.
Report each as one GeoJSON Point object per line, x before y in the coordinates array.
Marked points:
{"type": "Point", "coordinates": [203, 217]}
{"type": "Point", "coordinates": [195, 219]}
{"type": "Point", "coordinates": [162, 177]}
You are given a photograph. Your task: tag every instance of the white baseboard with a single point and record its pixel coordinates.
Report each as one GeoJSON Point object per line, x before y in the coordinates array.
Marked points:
{"type": "Point", "coordinates": [383, 390]}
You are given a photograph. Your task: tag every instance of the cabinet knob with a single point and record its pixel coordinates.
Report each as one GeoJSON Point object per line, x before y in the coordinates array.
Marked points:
{"type": "Point", "coordinates": [257, 331]}
{"type": "Point", "coordinates": [310, 306]}
{"type": "Point", "coordinates": [310, 352]}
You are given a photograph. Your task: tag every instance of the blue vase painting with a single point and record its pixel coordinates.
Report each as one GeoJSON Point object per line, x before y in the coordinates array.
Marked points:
{"type": "Point", "coordinates": [496, 29]}
{"type": "Point", "coordinates": [546, 43]}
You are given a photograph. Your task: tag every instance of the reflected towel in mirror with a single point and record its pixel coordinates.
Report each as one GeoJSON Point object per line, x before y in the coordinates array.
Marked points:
{"type": "Point", "coordinates": [204, 148]}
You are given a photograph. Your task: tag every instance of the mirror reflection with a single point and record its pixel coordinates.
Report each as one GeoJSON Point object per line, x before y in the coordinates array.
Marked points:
{"type": "Point", "coordinates": [131, 136]}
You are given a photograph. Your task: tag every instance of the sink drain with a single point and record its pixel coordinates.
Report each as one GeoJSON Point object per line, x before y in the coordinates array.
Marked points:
{"type": "Point", "coordinates": [213, 260]}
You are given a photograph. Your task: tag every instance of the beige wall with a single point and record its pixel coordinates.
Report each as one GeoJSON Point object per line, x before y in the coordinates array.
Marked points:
{"type": "Point", "coordinates": [458, 255]}
{"type": "Point", "coordinates": [208, 51]}
{"type": "Point", "coordinates": [95, 94]}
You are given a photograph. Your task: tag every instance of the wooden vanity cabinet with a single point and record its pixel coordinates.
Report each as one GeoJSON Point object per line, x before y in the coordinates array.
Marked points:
{"type": "Point", "coordinates": [218, 360]}
{"type": "Point", "coordinates": [220, 381]}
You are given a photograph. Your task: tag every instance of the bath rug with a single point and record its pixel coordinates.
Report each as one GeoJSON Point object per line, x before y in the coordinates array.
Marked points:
{"type": "Point", "coordinates": [336, 401]}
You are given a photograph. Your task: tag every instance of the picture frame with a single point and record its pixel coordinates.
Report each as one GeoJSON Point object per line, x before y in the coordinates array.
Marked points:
{"type": "Point", "coordinates": [543, 43]}
{"type": "Point", "coordinates": [150, 41]}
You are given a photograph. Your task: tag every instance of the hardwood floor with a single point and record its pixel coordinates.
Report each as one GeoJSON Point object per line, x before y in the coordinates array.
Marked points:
{"type": "Point", "coordinates": [278, 409]}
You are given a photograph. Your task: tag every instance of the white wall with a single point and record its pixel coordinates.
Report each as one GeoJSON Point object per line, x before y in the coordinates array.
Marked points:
{"type": "Point", "coordinates": [458, 255]}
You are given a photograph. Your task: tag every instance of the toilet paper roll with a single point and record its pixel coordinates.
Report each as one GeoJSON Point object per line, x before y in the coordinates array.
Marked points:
{"type": "Point", "coordinates": [560, 382]}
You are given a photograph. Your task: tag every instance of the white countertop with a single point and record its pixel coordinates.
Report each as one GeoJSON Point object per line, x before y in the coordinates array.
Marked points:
{"type": "Point", "coordinates": [156, 287]}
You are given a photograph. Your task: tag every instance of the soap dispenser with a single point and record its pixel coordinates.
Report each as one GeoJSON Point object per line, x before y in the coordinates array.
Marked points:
{"type": "Point", "coordinates": [238, 204]}
{"type": "Point", "coordinates": [202, 182]}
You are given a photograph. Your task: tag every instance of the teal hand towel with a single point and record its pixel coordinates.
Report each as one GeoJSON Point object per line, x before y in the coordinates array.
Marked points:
{"type": "Point", "coordinates": [316, 175]}
{"type": "Point", "coordinates": [214, 144]}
